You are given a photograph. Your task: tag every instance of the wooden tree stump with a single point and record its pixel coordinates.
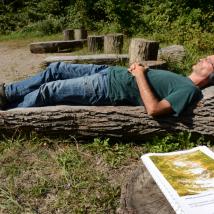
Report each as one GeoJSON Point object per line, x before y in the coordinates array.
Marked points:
{"type": "Point", "coordinates": [68, 34]}
{"type": "Point", "coordinates": [141, 195]}
{"type": "Point", "coordinates": [95, 43]}
{"type": "Point", "coordinates": [173, 53]}
{"type": "Point", "coordinates": [113, 43]}
{"type": "Point", "coordinates": [80, 33]}
{"type": "Point", "coordinates": [142, 49]}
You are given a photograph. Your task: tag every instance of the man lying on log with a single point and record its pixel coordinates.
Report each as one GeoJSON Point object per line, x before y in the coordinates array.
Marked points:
{"type": "Point", "coordinates": [161, 92]}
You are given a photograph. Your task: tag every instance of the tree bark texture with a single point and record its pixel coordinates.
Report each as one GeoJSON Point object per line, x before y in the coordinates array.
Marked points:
{"type": "Point", "coordinates": [125, 122]}
{"type": "Point", "coordinates": [109, 59]}
{"type": "Point", "coordinates": [57, 46]}
{"type": "Point", "coordinates": [80, 33]}
{"type": "Point", "coordinates": [113, 43]}
{"type": "Point", "coordinates": [173, 53]}
{"type": "Point", "coordinates": [95, 43]}
{"type": "Point", "coordinates": [140, 194]}
{"type": "Point", "coordinates": [142, 49]}
{"type": "Point", "coordinates": [68, 34]}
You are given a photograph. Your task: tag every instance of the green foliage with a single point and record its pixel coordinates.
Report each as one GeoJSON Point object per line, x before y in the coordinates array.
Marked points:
{"type": "Point", "coordinates": [77, 15]}
{"type": "Point", "coordinates": [114, 154]}
{"type": "Point", "coordinates": [48, 26]}
{"type": "Point", "coordinates": [170, 142]}
{"type": "Point", "coordinates": [182, 20]}
{"type": "Point", "coordinates": [17, 14]}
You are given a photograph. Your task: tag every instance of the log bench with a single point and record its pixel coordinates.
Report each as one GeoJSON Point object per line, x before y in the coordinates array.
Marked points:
{"type": "Point", "coordinates": [109, 59]}
{"type": "Point", "coordinates": [140, 193]}
{"type": "Point", "coordinates": [95, 43]}
{"type": "Point", "coordinates": [120, 122]}
{"type": "Point", "coordinates": [141, 49]}
{"type": "Point", "coordinates": [174, 53]}
{"type": "Point", "coordinates": [57, 46]}
{"type": "Point", "coordinates": [113, 43]}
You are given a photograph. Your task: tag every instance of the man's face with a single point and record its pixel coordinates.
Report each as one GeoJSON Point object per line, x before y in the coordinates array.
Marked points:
{"type": "Point", "coordinates": [205, 66]}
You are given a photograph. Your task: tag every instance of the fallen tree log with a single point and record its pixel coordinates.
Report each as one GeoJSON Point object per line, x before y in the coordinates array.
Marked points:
{"type": "Point", "coordinates": [125, 122]}
{"type": "Point", "coordinates": [108, 59]}
{"type": "Point", "coordinates": [57, 46]}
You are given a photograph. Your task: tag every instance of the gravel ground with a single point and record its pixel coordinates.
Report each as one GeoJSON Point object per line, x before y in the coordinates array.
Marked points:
{"type": "Point", "coordinates": [17, 62]}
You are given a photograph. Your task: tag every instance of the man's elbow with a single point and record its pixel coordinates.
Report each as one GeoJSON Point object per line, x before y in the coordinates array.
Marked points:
{"type": "Point", "coordinates": [152, 112]}
{"type": "Point", "coordinates": [155, 112]}
{"type": "Point", "coordinates": [162, 108]}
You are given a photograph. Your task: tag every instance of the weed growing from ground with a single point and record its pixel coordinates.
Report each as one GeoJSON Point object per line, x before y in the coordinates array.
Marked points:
{"type": "Point", "coordinates": [170, 143]}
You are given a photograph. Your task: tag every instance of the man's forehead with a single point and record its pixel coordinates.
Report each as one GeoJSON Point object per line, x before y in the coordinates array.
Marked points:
{"type": "Point", "coordinates": [211, 57]}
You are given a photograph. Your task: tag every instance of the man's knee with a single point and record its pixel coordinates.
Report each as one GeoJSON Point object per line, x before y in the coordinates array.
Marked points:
{"type": "Point", "coordinates": [54, 66]}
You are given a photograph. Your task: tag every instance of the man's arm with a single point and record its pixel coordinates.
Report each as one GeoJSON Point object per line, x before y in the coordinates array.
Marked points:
{"type": "Point", "coordinates": [153, 106]}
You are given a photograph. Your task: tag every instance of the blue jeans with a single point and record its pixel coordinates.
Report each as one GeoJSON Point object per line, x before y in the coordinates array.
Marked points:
{"type": "Point", "coordinates": [62, 83]}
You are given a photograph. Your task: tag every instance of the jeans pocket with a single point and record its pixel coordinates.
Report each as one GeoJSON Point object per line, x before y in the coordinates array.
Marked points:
{"type": "Point", "coordinates": [88, 86]}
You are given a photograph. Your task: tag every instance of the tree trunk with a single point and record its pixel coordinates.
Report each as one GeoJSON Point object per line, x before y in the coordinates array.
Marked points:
{"type": "Point", "coordinates": [68, 34]}
{"type": "Point", "coordinates": [173, 53]}
{"type": "Point", "coordinates": [80, 33]}
{"type": "Point", "coordinates": [95, 43]}
{"type": "Point", "coordinates": [113, 43]}
{"type": "Point", "coordinates": [57, 46]}
{"type": "Point", "coordinates": [125, 122]}
{"type": "Point", "coordinates": [109, 59]}
{"type": "Point", "coordinates": [141, 50]}
{"type": "Point", "coordinates": [140, 194]}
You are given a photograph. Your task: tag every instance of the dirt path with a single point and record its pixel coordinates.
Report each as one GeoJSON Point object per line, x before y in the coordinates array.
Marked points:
{"type": "Point", "coordinates": [17, 62]}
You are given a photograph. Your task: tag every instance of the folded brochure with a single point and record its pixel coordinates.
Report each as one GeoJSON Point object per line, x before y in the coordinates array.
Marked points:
{"type": "Point", "coordinates": [186, 178]}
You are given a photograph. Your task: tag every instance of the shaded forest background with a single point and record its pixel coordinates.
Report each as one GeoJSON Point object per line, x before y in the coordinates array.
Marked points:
{"type": "Point", "coordinates": [181, 20]}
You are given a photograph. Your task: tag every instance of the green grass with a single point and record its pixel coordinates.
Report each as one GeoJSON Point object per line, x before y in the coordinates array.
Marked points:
{"type": "Point", "coordinates": [45, 175]}
{"type": "Point", "coordinates": [32, 36]}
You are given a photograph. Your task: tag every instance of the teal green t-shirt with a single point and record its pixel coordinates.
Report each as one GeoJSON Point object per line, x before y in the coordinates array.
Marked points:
{"type": "Point", "coordinates": [123, 89]}
{"type": "Point", "coordinates": [178, 90]}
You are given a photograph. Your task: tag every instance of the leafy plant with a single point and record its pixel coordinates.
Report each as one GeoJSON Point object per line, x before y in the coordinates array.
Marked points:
{"type": "Point", "coordinates": [170, 142]}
